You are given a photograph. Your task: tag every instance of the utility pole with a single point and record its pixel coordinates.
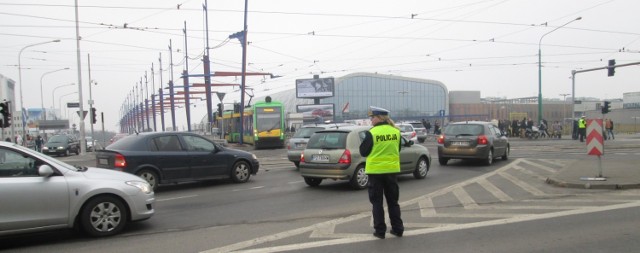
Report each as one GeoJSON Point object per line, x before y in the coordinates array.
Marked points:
{"type": "Point", "coordinates": [173, 112]}
{"type": "Point", "coordinates": [90, 96]}
{"type": "Point", "coordinates": [160, 94]}
{"type": "Point", "coordinates": [185, 78]}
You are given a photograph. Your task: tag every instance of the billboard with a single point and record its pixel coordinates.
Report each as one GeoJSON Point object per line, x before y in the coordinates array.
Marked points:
{"type": "Point", "coordinates": [315, 88]}
{"type": "Point", "coordinates": [316, 113]}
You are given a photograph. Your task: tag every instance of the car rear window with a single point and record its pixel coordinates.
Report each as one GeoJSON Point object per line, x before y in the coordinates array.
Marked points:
{"type": "Point", "coordinates": [417, 125]}
{"type": "Point", "coordinates": [464, 129]}
{"type": "Point", "coordinates": [306, 132]}
{"type": "Point", "coordinates": [328, 140]}
{"type": "Point", "coordinates": [405, 128]}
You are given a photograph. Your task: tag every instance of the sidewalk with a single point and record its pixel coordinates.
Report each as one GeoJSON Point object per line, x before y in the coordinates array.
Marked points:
{"type": "Point", "coordinates": [619, 172]}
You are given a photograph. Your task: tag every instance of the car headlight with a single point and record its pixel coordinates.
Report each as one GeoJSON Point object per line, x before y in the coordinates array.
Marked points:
{"type": "Point", "coordinates": [60, 147]}
{"type": "Point", "coordinates": [143, 186]}
{"type": "Point", "coordinates": [254, 156]}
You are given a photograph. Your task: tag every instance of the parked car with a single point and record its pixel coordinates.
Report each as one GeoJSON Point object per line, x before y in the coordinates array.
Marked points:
{"type": "Point", "coordinates": [61, 145]}
{"type": "Point", "coordinates": [90, 143]}
{"type": "Point", "coordinates": [117, 137]}
{"type": "Point", "coordinates": [472, 140]}
{"type": "Point", "coordinates": [408, 131]}
{"type": "Point", "coordinates": [42, 193]}
{"type": "Point", "coordinates": [299, 140]}
{"type": "Point", "coordinates": [421, 131]}
{"type": "Point", "coordinates": [170, 157]}
{"type": "Point", "coordinates": [335, 154]}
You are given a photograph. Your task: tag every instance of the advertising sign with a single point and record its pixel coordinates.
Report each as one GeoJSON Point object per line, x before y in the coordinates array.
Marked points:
{"type": "Point", "coordinates": [316, 113]}
{"type": "Point", "coordinates": [315, 88]}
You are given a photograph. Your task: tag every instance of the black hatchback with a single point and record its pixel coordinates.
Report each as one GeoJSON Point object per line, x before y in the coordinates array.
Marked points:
{"type": "Point", "coordinates": [170, 157]}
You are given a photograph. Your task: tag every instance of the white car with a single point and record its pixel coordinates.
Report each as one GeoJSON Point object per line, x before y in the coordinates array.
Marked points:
{"type": "Point", "coordinates": [40, 193]}
{"type": "Point", "coordinates": [408, 132]}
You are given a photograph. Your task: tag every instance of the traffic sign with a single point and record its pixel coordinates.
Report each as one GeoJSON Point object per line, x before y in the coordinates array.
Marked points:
{"type": "Point", "coordinates": [73, 105]}
{"type": "Point", "coordinates": [220, 95]}
{"type": "Point", "coordinates": [595, 141]}
{"type": "Point", "coordinates": [82, 115]}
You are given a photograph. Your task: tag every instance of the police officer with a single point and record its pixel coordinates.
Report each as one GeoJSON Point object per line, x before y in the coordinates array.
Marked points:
{"type": "Point", "coordinates": [582, 128]}
{"type": "Point", "coordinates": [381, 146]}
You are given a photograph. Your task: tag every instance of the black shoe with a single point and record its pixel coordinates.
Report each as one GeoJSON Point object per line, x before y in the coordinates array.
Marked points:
{"type": "Point", "coordinates": [379, 235]}
{"type": "Point", "coordinates": [398, 234]}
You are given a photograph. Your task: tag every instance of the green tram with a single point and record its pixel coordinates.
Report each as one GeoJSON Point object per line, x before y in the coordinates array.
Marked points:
{"type": "Point", "coordinates": [264, 125]}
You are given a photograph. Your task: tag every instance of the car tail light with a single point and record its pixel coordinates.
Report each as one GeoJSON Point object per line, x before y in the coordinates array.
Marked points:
{"type": "Point", "coordinates": [302, 157]}
{"type": "Point", "coordinates": [288, 146]}
{"type": "Point", "coordinates": [346, 157]}
{"type": "Point", "coordinates": [482, 140]}
{"type": "Point", "coordinates": [413, 134]}
{"type": "Point", "coordinates": [120, 162]}
{"type": "Point", "coordinates": [441, 139]}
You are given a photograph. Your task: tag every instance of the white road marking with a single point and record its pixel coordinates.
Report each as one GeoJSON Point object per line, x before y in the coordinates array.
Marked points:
{"type": "Point", "coordinates": [248, 189]}
{"type": "Point", "coordinates": [174, 198]}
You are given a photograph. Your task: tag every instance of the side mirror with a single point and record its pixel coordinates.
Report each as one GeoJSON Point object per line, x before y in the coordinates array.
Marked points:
{"type": "Point", "coordinates": [409, 143]}
{"type": "Point", "coordinates": [45, 170]}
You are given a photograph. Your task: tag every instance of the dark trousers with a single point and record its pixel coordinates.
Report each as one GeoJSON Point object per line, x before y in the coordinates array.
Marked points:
{"type": "Point", "coordinates": [385, 185]}
{"type": "Point", "coordinates": [583, 133]}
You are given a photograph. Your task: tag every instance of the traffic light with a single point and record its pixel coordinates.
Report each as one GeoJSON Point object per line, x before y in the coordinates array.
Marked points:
{"type": "Point", "coordinates": [6, 114]}
{"type": "Point", "coordinates": [606, 108]}
{"type": "Point", "coordinates": [93, 115]}
{"type": "Point", "coordinates": [219, 110]}
{"type": "Point", "coordinates": [611, 70]}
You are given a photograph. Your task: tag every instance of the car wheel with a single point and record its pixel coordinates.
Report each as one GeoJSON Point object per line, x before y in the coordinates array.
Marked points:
{"type": "Point", "coordinates": [421, 169]}
{"type": "Point", "coordinates": [506, 153]}
{"type": "Point", "coordinates": [421, 140]}
{"type": "Point", "coordinates": [312, 181]}
{"type": "Point", "coordinates": [297, 164]}
{"type": "Point", "coordinates": [103, 216]}
{"type": "Point", "coordinates": [359, 180]}
{"type": "Point", "coordinates": [77, 151]}
{"type": "Point", "coordinates": [149, 176]}
{"type": "Point", "coordinates": [443, 161]}
{"type": "Point", "coordinates": [489, 159]}
{"type": "Point", "coordinates": [240, 172]}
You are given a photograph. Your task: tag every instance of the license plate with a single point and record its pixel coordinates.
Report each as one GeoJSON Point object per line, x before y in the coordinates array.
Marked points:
{"type": "Point", "coordinates": [320, 158]}
{"type": "Point", "coordinates": [460, 143]}
{"type": "Point", "coordinates": [301, 145]}
{"type": "Point", "coordinates": [103, 161]}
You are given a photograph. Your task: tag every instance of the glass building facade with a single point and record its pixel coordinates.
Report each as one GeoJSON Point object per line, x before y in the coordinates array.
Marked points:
{"type": "Point", "coordinates": [406, 98]}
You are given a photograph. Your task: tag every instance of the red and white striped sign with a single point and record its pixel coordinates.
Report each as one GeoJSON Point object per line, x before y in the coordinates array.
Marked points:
{"type": "Point", "coordinates": [595, 142]}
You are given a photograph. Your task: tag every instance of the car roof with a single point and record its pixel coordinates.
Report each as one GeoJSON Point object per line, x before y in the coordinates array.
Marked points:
{"type": "Point", "coordinates": [346, 129]}
{"type": "Point", "coordinates": [470, 122]}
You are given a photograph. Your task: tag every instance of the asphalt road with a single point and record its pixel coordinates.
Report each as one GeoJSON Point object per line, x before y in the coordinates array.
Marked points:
{"type": "Point", "coordinates": [462, 202]}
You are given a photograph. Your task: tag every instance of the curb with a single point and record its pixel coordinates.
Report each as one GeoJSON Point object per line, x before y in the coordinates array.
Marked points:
{"type": "Point", "coordinates": [564, 184]}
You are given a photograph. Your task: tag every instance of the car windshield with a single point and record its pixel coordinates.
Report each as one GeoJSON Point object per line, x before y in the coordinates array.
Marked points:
{"type": "Point", "coordinates": [464, 129]}
{"type": "Point", "coordinates": [306, 132]}
{"type": "Point", "coordinates": [328, 140]}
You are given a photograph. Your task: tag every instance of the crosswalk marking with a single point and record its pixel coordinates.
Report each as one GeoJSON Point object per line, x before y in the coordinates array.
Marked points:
{"type": "Point", "coordinates": [470, 213]}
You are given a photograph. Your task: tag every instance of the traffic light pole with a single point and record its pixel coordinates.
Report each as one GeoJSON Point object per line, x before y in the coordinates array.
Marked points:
{"type": "Point", "coordinates": [573, 81]}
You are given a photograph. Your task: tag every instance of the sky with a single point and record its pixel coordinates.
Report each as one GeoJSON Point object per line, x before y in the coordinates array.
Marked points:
{"type": "Point", "coordinates": [486, 45]}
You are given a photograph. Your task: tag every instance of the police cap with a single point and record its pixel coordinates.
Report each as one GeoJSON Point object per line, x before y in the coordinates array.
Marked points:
{"type": "Point", "coordinates": [373, 111]}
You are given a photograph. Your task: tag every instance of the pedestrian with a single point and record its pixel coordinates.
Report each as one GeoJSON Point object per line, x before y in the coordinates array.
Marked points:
{"type": "Point", "coordinates": [18, 139]}
{"type": "Point", "coordinates": [39, 143]}
{"type": "Point", "coordinates": [436, 127]}
{"type": "Point", "coordinates": [609, 128]}
{"type": "Point", "coordinates": [582, 128]}
{"type": "Point", "coordinates": [543, 129]}
{"type": "Point", "coordinates": [427, 125]}
{"type": "Point", "coordinates": [381, 146]}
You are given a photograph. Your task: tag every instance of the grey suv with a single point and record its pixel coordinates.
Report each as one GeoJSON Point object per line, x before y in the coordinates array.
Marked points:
{"type": "Point", "coordinates": [334, 154]}
{"type": "Point", "coordinates": [299, 140]}
{"type": "Point", "coordinates": [472, 140]}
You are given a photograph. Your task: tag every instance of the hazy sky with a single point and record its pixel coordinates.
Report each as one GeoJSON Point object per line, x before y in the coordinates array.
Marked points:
{"type": "Point", "coordinates": [486, 45]}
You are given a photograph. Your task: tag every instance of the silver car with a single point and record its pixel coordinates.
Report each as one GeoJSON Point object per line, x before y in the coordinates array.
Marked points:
{"type": "Point", "coordinates": [40, 193]}
{"type": "Point", "coordinates": [299, 140]}
{"type": "Point", "coordinates": [335, 154]}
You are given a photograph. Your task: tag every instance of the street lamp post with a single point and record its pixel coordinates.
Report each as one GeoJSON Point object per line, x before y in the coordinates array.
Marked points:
{"type": "Point", "coordinates": [20, 80]}
{"type": "Point", "coordinates": [564, 107]}
{"type": "Point", "coordinates": [41, 97]}
{"type": "Point", "coordinates": [53, 106]}
{"type": "Point", "coordinates": [540, 67]}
